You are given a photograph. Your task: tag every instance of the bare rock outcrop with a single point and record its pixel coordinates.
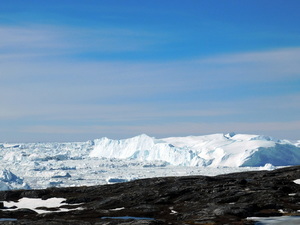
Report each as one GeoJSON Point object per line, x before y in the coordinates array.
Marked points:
{"type": "Point", "coordinates": [223, 199]}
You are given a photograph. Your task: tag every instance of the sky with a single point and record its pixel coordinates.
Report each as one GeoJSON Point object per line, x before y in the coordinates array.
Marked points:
{"type": "Point", "coordinates": [75, 70]}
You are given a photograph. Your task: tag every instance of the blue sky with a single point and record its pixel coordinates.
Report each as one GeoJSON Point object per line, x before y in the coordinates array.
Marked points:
{"type": "Point", "coordinates": [80, 70]}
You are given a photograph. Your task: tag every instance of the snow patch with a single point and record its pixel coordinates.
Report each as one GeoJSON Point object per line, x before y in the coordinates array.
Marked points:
{"type": "Point", "coordinates": [297, 181]}
{"type": "Point", "coordinates": [117, 209]}
{"type": "Point", "coordinates": [35, 203]}
{"type": "Point", "coordinates": [116, 180]}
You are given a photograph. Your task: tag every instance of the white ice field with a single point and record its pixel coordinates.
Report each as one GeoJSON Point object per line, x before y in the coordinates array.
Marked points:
{"type": "Point", "coordinates": [102, 161]}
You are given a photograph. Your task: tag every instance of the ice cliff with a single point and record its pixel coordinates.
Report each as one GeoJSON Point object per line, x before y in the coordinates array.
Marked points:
{"type": "Point", "coordinates": [102, 161]}
{"type": "Point", "coordinates": [230, 150]}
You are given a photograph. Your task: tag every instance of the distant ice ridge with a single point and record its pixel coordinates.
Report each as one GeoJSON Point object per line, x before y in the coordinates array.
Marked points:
{"type": "Point", "coordinates": [229, 150]}
{"type": "Point", "coordinates": [102, 161]}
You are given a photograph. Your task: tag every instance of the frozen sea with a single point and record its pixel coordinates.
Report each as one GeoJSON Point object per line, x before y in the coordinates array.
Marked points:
{"type": "Point", "coordinates": [103, 161]}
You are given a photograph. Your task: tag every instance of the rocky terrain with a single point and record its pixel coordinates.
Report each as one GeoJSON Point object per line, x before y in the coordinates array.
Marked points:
{"type": "Point", "coordinates": [223, 199]}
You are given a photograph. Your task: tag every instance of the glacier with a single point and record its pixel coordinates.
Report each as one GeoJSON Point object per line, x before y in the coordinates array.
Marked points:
{"type": "Point", "coordinates": [104, 160]}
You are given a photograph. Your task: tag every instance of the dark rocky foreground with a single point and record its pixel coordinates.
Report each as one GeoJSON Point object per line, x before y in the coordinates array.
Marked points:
{"type": "Point", "coordinates": [224, 199]}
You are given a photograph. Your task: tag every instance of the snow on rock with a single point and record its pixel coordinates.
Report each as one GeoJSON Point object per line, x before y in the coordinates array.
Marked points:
{"type": "Point", "coordinates": [297, 181]}
{"type": "Point", "coordinates": [116, 180]}
{"type": "Point", "coordinates": [230, 150]}
{"type": "Point", "coordinates": [9, 180]}
{"type": "Point", "coordinates": [35, 204]}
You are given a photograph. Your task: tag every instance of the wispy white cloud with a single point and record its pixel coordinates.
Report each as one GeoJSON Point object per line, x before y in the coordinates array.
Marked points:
{"type": "Point", "coordinates": [214, 73]}
{"type": "Point", "coordinates": [20, 37]}
{"type": "Point", "coordinates": [281, 130]}
{"type": "Point", "coordinates": [33, 41]}
{"type": "Point", "coordinates": [122, 113]}
{"type": "Point", "coordinates": [206, 128]}
{"type": "Point", "coordinates": [160, 98]}
{"type": "Point", "coordinates": [275, 55]}
{"type": "Point", "coordinates": [256, 66]}
{"type": "Point", "coordinates": [115, 121]}
{"type": "Point", "coordinates": [42, 83]}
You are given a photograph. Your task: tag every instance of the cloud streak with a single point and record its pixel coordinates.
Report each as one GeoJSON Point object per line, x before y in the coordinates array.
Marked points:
{"type": "Point", "coordinates": [46, 87]}
{"type": "Point", "coordinates": [271, 64]}
{"type": "Point", "coordinates": [31, 42]}
{"type": "Point", "coordinates": [121, 121]}
{"type": "Point", "coordinates": [118, 131]}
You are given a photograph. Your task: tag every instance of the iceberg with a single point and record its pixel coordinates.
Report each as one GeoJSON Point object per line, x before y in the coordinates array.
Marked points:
{"type": "Point", "coordinates": [95, 162]}
{"type": "Point", "coordinates": [230, 150]}
{"type": "Point", "coordinates": [9, 180]}
{"type": "Point", "coordinates": [145, 148]}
